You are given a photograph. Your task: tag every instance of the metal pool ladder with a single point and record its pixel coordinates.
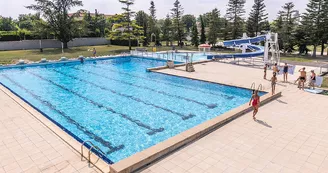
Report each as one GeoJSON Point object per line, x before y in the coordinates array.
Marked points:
{"type": "Point", "coordinates": [259, 88]}
{"type": "Point", "coordinates": [89, 152]}
{"type": "Point", "coordinates": [253, 86]}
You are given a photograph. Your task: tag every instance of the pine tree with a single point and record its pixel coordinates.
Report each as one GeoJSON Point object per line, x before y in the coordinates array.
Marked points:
{"type": "Point", "coordinates": [178, 28]}
{"type": "Point", "coordinates": [167, 30]}
{"type": "Point", "coordinates": [256, 19]}
{"type": "Point", "coordinates": [194, 35]}
{"type": "Point", "coordinates": [127, 24]}
{"type": "Point", "coordinates": [214, 27]}
{"type": "Point", "coordinates": [288, 20]}
{"type": "Point", "coordinates": [152, 23]}
{"type": "Point", "coordinates": [202, 30]}
{"type": "Point", "coordinates": [142, 20]}
{"type": "Point", "coordinates": [152, 10]}
{"type": "Point", "coordinates": [235, 13]}
{"type": "Point", "coordinates": [313, 22]}
{"type": "Point", "coordinates": [226, 31]}
{"type": "Point", "coordinates": [325, 27]}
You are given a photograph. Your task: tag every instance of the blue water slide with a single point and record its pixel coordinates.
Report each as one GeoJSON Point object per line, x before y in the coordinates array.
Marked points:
{"type": "Point", "coordinates": [256, 50]}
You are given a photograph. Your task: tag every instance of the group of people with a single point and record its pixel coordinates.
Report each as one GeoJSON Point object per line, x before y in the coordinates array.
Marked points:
{"type": "Point", "coordinates": [255, 99]}
{"type": "Point", "coordinates": [302, 79]}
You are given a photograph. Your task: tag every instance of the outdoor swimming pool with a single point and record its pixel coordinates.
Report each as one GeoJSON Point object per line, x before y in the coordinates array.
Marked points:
{"type": "Point", "coordinates": [119, 106]}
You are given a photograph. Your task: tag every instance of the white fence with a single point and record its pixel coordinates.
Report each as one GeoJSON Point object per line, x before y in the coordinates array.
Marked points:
{"type": "Point", "coordinates": [37, 44]}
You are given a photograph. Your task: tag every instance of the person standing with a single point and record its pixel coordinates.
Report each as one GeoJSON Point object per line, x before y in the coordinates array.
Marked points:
{"type": "Point", "coordinates": [302, 78]}
{"type": "Point", "coordinates": [274, 82]}
{"type": "Point", "coordinates": [265, 71]}
{"type": "Point", "coordinates": [94, 52]}
{"type": "Point", "coordinates": [275, 68]}
{"type": "Point", "coordinates": [255, 100]}
{"type": "Point", "coordinates": [286, 72]}
{"type": "Point", "coordinates": [313, 79]}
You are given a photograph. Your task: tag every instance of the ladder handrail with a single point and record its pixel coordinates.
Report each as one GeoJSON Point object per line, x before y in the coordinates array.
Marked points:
{"type": "Point", "coordinates": [84, 142]}
{"type": "Point", "coordinates": [260, 86]}
{"type": "Point", "coordinates": [253, 85]}
{"type": "Point", "coordinates": [89, 152]}
{"type": "Point", "coordinates": [97, 148]}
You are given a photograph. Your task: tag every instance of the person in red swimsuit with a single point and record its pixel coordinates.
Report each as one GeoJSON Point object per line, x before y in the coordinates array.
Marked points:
{"type": "Point", "coordinates": [255, 100]}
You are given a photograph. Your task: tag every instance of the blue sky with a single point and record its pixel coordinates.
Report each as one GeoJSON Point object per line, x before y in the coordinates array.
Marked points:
{"type": "Point", "coordinates": [15, 7]}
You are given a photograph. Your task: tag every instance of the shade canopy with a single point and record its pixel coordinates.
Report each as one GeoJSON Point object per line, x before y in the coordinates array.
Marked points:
{"type": "Point", "coordinates": [204, 46]}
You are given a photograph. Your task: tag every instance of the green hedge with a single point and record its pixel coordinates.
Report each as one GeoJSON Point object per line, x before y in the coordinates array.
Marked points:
{"type": "Point", "coordinates": [124, 42]}
{"type": "Point", "coordinates": [17, 36]}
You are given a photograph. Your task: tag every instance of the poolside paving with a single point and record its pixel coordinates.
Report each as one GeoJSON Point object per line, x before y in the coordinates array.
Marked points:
{"type": "Point", "coordinates": [290, 134]}
{"type": "Point", "coordinates": [26, 145]}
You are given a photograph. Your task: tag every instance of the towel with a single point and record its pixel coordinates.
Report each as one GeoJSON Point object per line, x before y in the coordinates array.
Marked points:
{"type": "Point", "coordinates": [319, 81]}
{"type": "Point", "coordinates": [291, 69]}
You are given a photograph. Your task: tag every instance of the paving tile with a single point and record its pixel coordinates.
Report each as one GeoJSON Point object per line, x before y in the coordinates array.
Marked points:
{"type": "Point", "coordinates": [316, 159]}
{"type": "Point", "coordinates": [178, 170]}
{"type": "Point", "coordinates": [195, 169]}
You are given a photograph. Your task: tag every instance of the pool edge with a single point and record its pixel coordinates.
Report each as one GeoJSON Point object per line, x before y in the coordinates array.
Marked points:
{"type": "Point", "coordinates": [60, 133]}
{"type": "Point", "coordinates": [160, 150]}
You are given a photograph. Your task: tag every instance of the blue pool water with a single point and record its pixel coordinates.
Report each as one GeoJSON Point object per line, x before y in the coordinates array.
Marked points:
{"type": "Point", "coordinates": [119, 106]}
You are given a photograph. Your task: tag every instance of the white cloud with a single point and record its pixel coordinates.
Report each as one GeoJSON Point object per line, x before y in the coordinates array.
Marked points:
{"type": "Point", "coordinates": [15, 7]}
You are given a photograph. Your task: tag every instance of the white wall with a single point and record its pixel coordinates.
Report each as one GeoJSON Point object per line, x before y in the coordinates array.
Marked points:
{"type": "Point", "coordinates": [35, 44]}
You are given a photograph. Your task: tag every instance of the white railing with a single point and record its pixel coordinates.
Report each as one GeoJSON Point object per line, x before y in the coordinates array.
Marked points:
{"type": "Point", "coordinates": [168, 55]}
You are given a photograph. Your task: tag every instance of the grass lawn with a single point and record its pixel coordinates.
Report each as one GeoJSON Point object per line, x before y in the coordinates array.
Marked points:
{"type": "Point", "coordinates": [325, 82]}
{"type": "Point", "coordinates": [10, 57]}
{"type": "Point", "coordinates": [303, 58]}
{"type": "Point", "coordinates": [298, 59]}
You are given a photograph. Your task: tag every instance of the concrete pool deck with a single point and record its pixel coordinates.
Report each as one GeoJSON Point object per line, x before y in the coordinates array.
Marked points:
{"type": "Point", "coordinates": [27, 145]}
{"type": "Point", "coordinates": [290, 135]}
{"type": "Point", "coordinates": [291, 127]}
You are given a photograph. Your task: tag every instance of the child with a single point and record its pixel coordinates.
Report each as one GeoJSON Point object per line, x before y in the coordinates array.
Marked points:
{"type": "Point", "coordinates": [265, 70]}
{"type": "Point", "coordinates": [274, 82]}
{"type": "Point", "coordinates": [94, 52]}
{"type": "Point", "coordinates": [255, 100]}
{"type": "Point", "coordinates": [286, 72]}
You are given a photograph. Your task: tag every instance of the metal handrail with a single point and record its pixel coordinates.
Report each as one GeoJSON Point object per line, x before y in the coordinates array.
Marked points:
{"type": "Point", "coordinates": [94, 147]}
{"type": "Point", "coordinates": [89, 152]}
{"type": "Point", "coordinates": [260, 86]}
{"type": "Point", "coordinates": [82, 148]}
{"type": "Point", "coordinates": [253, 86]}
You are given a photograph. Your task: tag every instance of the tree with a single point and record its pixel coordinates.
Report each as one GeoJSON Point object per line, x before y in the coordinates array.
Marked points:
{"type": "Point", "coordinates": [153, 30]}
{"type": "Point", "coordinates": [7, 24]}
{"type": "Point", "coordinates": [288, 22]}
{"type": "Point", "coordinates": [226, 29]}
{"type": "Point", "coordinates": [202, 31]}
{"type": "Point", "coordinates": [214, 26]}
{"type": "Point", "coordinates": [235, 13]}
{"type": "Point", "coordinates": [142, 20]}
{"type": "Point", "coordinates": [194, 35]}
{"type": "Point", "coordinates": [27, 21]}
{"type": "Point", "coordinates": [119, 30]}
{"type": "Point", "coordinates": [188, 20]}
{"type": "Point", "coordinates": [313, 23]}
{"type": "Point", "coordinates": [178, 28]}
{"type": "Point", "coordinates": [95, 25]}
{"type": "Point", "coordinates": [55, 12]}
{"type": "Point", "coordinates": [126, 25]}
{"type": "Point", "coordinates": [257, 17]}
{"type": "Point", "coordinates": [167, 30]}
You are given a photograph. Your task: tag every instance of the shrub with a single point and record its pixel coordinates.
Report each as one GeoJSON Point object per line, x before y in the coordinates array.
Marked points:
{"type": "Point", "coordinates": [124, 42]}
